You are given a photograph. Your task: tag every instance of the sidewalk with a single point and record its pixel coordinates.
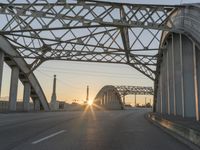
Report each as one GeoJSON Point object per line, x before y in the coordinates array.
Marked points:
{"type": "Point", "coordinates": [187, 122]}
{"type": "Point", "coordinates": [185, 129]}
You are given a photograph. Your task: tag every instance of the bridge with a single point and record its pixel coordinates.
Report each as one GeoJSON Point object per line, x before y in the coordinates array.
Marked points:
{"type": "Point", "coordinates": [110, 33]}
{"type": "Point", "coordinates": [113, 97]}
{"type": "Point", "coordinates": [160, 41]}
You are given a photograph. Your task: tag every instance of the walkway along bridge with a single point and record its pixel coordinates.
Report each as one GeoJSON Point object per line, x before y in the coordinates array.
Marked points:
{"type": "Point", "coordinates": [160, 41]}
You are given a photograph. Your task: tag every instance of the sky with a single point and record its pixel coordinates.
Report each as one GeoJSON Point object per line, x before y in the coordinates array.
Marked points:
{"type": "Point", "coordinates": [73, 77]}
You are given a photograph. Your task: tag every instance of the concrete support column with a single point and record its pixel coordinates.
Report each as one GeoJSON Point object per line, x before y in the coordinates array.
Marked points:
{"type": "Point", "coordinates": [107, 97]}
{"type": "Point", "coordinates": [198, 76]}
{"type": "Point", "coordinates": [104, 98]}
{"type": "Point", "coordinates": [167, 78]}
{"type": "Point", "coordinates": [111, 98]}
{"type": "Point", "coordinates": [13, 88]}
{"type": "Point", "coordinates": [195, 83]}
{"type": "Point", "coordinates": [1, 69]}
{"type": "Point", "coordinates": [36, 104]}
{"type": "Point", "coordinates": [26, 98]}
{"type": "Point", "coordinates": [164, 83]}
{"type": "Point", "coordinates": [123, 99]}
{"type": "Point", "coordinates": [188, 77]}
{"type": "Point", "coordinates": [178, 74]}
{"type": "Point", "coordinates": [158, 103]}
{"type": "Point", "coordinates": [161, 91]}
{"type": "Point", "coordinates": [172, 79]}
{"type": "Point", "coordinates": [135, 100]}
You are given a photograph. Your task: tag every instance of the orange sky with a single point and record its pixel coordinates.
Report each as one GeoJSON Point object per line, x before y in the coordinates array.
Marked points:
{"type": "Point", "coordinates": [73, 77]}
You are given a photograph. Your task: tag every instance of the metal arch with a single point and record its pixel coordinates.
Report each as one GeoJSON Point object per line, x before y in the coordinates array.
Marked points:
{"type": "Point", "coordinates": [136, 90]}
{"type": "Point", "coordinates": [87, 31]}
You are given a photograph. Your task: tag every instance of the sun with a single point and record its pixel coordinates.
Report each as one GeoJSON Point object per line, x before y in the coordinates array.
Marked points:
{"type": "Point", "coordinates": [90, 102]}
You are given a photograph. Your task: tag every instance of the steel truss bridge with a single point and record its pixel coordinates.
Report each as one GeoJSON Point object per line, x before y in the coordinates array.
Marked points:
{"type": "Point", "coordinates": [139, 35]}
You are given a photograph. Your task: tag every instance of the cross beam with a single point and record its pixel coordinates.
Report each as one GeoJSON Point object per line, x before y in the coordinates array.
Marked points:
{"type": "Point", "coordinates": [88, 31]}
{"type": "Point", "coordinates": [136, 90]}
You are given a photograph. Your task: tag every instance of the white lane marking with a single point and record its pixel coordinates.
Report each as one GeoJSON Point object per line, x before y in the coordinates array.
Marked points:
{"type": "Point", "coordinates": [47, 137]}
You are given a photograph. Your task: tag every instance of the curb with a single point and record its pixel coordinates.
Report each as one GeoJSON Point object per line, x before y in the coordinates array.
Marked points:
{"type": "Point", "coordinates": [186, 135]}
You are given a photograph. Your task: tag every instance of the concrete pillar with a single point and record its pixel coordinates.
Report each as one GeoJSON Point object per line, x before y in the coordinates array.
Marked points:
{"type": "Point", "coordinates": [26, 98]}
{"type": "Point", "coordinates": [198, 74]}
{"type": "Point", "coordinates": [164, 83]}
{"type": "Point", "coordinates": [170, 74]}
{"type": "Point", "coordinates": [107, 97]}
{"type": "Point", "coordinates": [54, 98]}
{"type": "Point", "coordinates": [161, 90]}
{"type": "Point", "coordinates": [13, 88]}
{"type": "Point", "coordinates": [112, 97]}
{"type": "Point", "coordinates": [123, 99]}
{"type": "Point", "coordinates": [104, 98]}
{"type": "Point", "coordinates": [178, 75]}
{"type": "Point", "coordinates": [167, 78]}
{"type": "Point", "coordinates": [196, 83]}
{"type": "Point", "coordinates": [135, 100]}
{"type": "Point", "coordinates": [172, 78]}
{"type": "Point", "coordinates": [188, 77]}
{"type": "Point", "coordinates": [158, 102]}
{"type": "Point", "coordinates": [1, 69]}
{"type": "Point", "coordinates": [36, 104]}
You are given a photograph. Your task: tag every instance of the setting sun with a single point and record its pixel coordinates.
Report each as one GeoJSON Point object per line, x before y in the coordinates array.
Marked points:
{"type": "Point", "coordinates": [90, 102]}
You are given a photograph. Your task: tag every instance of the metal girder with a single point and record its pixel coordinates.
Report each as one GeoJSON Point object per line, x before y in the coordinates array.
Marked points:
{"type": "Point", "coordinates": [136, 90]}
{"type": "Point", "coordinates": [86, 31]}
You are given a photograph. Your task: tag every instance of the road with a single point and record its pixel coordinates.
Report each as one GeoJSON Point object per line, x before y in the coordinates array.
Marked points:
{"type": "Point", "coordinates": [99, 130]}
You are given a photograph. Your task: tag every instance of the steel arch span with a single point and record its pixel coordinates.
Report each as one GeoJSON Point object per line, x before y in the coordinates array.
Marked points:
{"type": "Point", "coordinates": [108, 98]}
{"type": "Point", "coordinates": [87, 31]}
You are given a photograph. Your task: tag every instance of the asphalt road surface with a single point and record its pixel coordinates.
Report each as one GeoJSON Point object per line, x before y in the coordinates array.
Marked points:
{"type": "Point", "coordinates": [99, 130]}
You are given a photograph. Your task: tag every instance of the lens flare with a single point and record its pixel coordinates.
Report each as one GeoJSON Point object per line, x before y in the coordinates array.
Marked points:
{"type": "Point", "coordinates": [90, 102]}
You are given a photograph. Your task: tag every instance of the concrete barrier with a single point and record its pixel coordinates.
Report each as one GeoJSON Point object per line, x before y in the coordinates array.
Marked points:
{"type": "Point", "coordinates": [187, 133]}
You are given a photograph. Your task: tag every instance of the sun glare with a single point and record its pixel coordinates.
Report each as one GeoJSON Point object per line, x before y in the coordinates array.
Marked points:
{"type": "Point", "coordinates": [90, 102]}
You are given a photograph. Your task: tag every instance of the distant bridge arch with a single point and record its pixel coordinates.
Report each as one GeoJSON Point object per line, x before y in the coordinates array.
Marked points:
{"type": "Point", "coordinates": [113, 97]}
{"type": "Point", "coordinates": [109, 98]}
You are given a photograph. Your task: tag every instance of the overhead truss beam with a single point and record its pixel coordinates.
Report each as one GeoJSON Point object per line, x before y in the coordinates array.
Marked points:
{"type": "Point", "coordinates": [134, 90]}
{"type": "Point", "coordinates": [86, 31]}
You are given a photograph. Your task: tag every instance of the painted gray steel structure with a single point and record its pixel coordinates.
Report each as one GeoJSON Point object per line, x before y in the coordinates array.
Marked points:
{"type": "Point", "coordinates": [87, 31]}
{"type": "Point", "coordinates": [134, 90]}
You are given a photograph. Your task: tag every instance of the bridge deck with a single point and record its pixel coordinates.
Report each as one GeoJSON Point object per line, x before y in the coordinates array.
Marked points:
{"type": "Point", "coordinates": [118, 130]}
